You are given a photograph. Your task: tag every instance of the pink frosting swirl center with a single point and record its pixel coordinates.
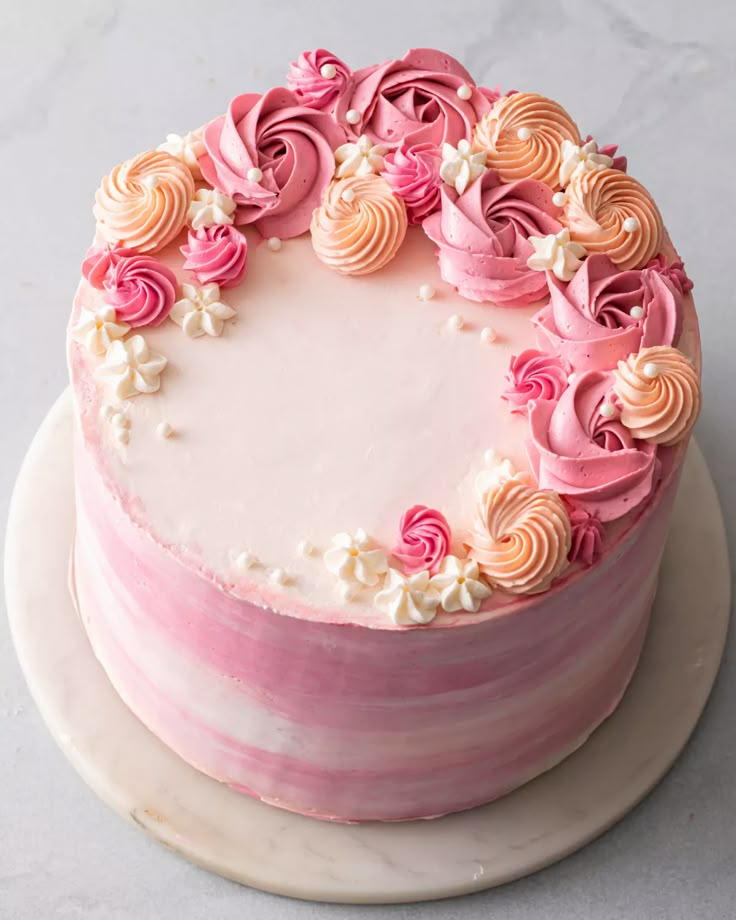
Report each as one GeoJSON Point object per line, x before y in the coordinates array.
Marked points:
{"type": "Point", "coordinates": [424, 540]}
{"type": "Point", "coordinates": [535, 375]}
{"type": "Point", "coordinates": [141, 289]}
{"type": "Point", "coordinates": [216, 255]}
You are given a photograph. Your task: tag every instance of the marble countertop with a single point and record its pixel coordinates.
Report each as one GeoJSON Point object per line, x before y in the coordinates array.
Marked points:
{"type": "Point", "coordinates": [88, 83]}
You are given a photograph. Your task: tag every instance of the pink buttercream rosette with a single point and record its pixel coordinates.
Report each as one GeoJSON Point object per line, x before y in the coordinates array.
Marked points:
{"type": "Point", "coordinates": [413, 172]}
{"type": "Point", "coordinates": [424, 540]}
{"type": "Point", "coordinates": [587, 533]}
{"type": "Point", "coordinates": [290, 143]}
{"type": "Point", "coordinates": [141, 289]}
{"type": "Point", "coordinates": [534, 375]}
{"type": "Point", "coordinates": [673, 271]}
{"type": "Point", "coordinates": [483, 239]}
{"type": "Point", "coordinates": [312, 87]}
{"type": "Point", "coordinates": [99, 260]}
{"type": "Point", "coordinates": [216, 255]}
{"type": "Point", "coordinates": [592, 460]}
{"type": "Point", "coordinates": [588, 321]}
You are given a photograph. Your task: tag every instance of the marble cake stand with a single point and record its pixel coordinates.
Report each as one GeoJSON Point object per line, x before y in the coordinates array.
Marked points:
{"type": "Point", "coordinates": [262, 846]}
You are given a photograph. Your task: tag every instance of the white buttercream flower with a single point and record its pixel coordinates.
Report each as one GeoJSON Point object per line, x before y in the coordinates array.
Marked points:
{"type": "Point", "coordinates": [557, 253]}
{"type": "Point", "coordinates": [98, 329]}
{"type": "Point", "coordinates": [407, 599]}
{"type": "Point", "coordinates": [210, 207]}
{"type": "Point", "coordinates": [498, 469]}
{"type": "Point", "coordinates": [459, 585]}
{"type": "Point", "coordinates": [187, 148]}
{"type": "Point", "coordinates": [580, 159]}
{"type": "Point", "coordinates": [132, 367]}
{"type": "Point", "coordinates": [460, 166]}
{"type": "Point", "coordinates": [200, 310]}
{"type": "Point", "coordinates": [360, 158]}
{"type": "Point", "coordinates": [354, 558]}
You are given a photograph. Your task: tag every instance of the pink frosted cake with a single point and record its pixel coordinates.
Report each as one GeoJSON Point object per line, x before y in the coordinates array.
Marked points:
{"type": "Point", "coordinates": [382, 383]}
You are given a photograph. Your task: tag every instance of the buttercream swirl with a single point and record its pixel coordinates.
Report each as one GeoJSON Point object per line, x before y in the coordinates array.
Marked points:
{"type": "Point", "coordinates": [590, 322]}
{"type": "Point", "coordinates": [99, 260]}
{"type": "Point", "coordinates": [362, 234]}
{"type": "Point", "coordinates": [414, 100]}
{"type": "Point", "coordinates": [673, 271]}
{"type": "Point", "coordinates": [141, 289]}
{"type": "Point", "coordinates": [586, 456]}
{"type": "Point", "coordinates": [522, 137]}
{"type": "Point", "coordinates": [143, 202]}
{"type": "Point", "coordinates": [483, 239]}
{"type": "Point", "coordinates": [413, 172]}
{"type": "Point", "coordinates": [587, 535]}
{"type": "Point", "coordinates": [216, 255]}
{"type": "Point", "coordinates": [599, 205]}
{"type": "Point", "coordinates": [289, 144]}
{"type": "Point", "coordinates": [659, 390]}
{"type": "Point", "coordinates": [534, 375]}
{"type": "Point", "coordinates": [521, 538]}
{"type": "Point", "coordinates": [312, 79]}
{"type": "Point", "coordinates": [424, 540]}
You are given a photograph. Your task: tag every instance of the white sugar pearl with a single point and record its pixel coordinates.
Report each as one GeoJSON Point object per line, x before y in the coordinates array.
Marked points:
{"type": "Point", "coordinates": [246, 560]}
{"type": "Point", "coordinates": [348, 195]}
{"type": "Point", "coordinates": [636, 312]}
{"type": "Point", "coordinates": [524, 134]}
{"type": "Point", "coordinates": [426, 292]}
{"type": "Point", "coordinates": [305, 549]}
{"type": "Point", "coordinates": [608, 410]}
{"type": "Point", "coordinates": [491, 456]}
{"type": "Point", "coordinates": [254, 174]}
{"type": "Point", "coordinates": [488, 335]}
{"type": "Point", "coordinates": [274, 244]}
{"type": "Point", "coordinates": [150, 181]}
{"type": "Point", "coordinates": [464, 91]}
{"type": "Point", "coordinates": [120, 421]}
{"type": "Point", "coordinates": [122, 435]}
{"type": "Point", "coordinates": [328, 71]}
{"type": "Point", "coordinates": [456, 322]}
{"type": "Point", "coordinates": [164, 430]}
{"type": "Point", "coordinates": [107, 412]}
{"type": "Point", "coordinates": [353, 117]}
{"type": "Point", "coordinates": [278, 577]}
{"type": "Point", "coordinates": [651, 370]}
{"type": "Point", "coordinates": [631, 224]}
{"type": "Point", "coordinates": [558, 199]}
{"type": "Point", "coordinates": [347, 591]}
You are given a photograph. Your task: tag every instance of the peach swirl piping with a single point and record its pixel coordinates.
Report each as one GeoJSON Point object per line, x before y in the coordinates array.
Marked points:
{"type": "Point", "coordinates": [143, 202]}
{"type": "Point", "coordinates": [536, 156]}
{"type": "Point", "coordinates": [599, 203]}
{"type": "Point", "coordinates": [659, 389]}
{"type": "Point", "coordinates": [521, 539]}
{"type": "Point", "coordinates": [361, 234]}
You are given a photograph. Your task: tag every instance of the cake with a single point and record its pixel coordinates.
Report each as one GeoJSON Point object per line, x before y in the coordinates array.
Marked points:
{"type": "Point", "coordinates": [382, 385]}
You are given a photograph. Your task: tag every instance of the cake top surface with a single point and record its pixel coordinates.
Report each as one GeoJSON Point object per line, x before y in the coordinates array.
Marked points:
{"type": "Point", "coordinates": [383, 346]}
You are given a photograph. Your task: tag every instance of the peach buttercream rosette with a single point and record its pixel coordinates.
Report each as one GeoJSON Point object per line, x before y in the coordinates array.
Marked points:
{"type": "Point", "coordinates": [522, 137]}
{"type": "Point", "coordinates": [521, 539]}
{"type": "Point", "coordinates": [143, 202]}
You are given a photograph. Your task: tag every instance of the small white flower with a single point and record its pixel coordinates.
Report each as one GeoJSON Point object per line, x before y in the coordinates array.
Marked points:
{"type": "Point", "coordinates": [360, 158]}
{"type": "Point", "coordinates": [96, 330]}
{"type": "Point", "coordinates": [460, 166]}
{"type": "Point", "coordinates": [210, 207]}
{"type": "Point", "coordinates": [498, 470]}
{"type": "Point", "coordinates": [576, 159]}
{"type": "Point", "coordinates": [200, 310]}
{"type": "Point", "coordinates": [459, 585]}
{"type": "Point", "coordinates": [132, 367]}
{"type": "Point", "coordinates": [353, 557]}
{"type": "Point", "coordinates": [187, 148]}
{"type": "Point", "coordinates": [407, 599]}
{"type": "Point", "coordinates": [557, 253]}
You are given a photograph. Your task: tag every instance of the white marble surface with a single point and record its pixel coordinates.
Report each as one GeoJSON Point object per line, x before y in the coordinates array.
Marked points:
{"type": "Point", "coordinates": [86, 83]}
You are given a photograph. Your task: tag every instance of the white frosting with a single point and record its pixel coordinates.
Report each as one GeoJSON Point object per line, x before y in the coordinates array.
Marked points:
{"type": "Point", "coordinates": [210, 207]}
{"type": "Point", "coordinates": [557, 253]}
{"type": "Point", "coordinates": [354, 558]}
{"type": "Point", "coordinates": [459, 585]}
{"type": "Point", "coordinates": [460, 166]}
{"type": "Point", "coordinates": [187, 148]}
{"type": "Point", "coordinates": [200, 310]}
{"type": "Point", "coordinates": [98, 330]}
{"type": "Point", "coordinates": [576, 159]}
{"type": "Point", "coordinates": [498, 469]}
{"type": "Point", "coordinates": [407, 599]}
{"type": "Point", "coordinates": [360, 158]}
{"type": "Point", "coordinates": [131, 367]}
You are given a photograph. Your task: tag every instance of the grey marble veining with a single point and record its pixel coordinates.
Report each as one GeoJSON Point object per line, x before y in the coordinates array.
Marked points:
{"type": "Point", "coordinates": [89, 82]}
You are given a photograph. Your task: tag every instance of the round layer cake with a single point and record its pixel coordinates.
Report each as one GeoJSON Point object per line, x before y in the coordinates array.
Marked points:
{"type": "Point", "coordinates": [383, 383]}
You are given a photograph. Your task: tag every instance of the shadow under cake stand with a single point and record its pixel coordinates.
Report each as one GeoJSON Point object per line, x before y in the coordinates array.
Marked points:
{"type": "Point", "coordinates": [259, 845]}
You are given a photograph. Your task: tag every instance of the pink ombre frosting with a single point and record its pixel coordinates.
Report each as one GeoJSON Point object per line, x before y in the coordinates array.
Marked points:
{"type": "Point", "coordinates": [587, 535]}
{"type": "Point", "coordinates": [535, 375]}
{"type": "Point", "coordinates": [588, 320]}
{"type": "Point", "coordinates": [483, 239]}
{"type": "Point", "coordinates": [424, 540]}
{"type": "Point", "coordinates": [593, 460]}
{"type": "Point", "coordinates": [289, 142]}
{"type": "Point", "coordinates": [414, 100]}
{"type": "Point", "coordinates": [312, 88]}
{"type": "Point", "coordinates": [216, 255]}
{"type": "Point", "coordinates": [414, 175]}
{"type": "Point", "coordinates": [141, 289]}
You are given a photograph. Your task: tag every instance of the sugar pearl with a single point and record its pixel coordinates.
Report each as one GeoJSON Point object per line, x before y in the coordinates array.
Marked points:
{"type": "Point", "coordinates": [120, 421]}
{"type": "Point", "coordinates": [488, 335]}
{"type": "Point", "coordinates": [456, 322]}
{"type": "Point", "coordinates": [524, 134]}
{"type": "Point", "coordinates": [347, 591]}
{"type": "Point", "coordinates": [636, 312]}
{"type": "Point", "coordinates": [328, 71]}
{"type": "Point", "coordinates": [246, 560]}
{"type": "Point", "coordinates": [278, 577]}
{"type": "Point", "coordinates": [304, 548]}
{"type": "Point", "coordinates": [608, 410]}
{"type": "Point", "coordinates": [352, 117]}
{"type": "Point", "coordinates": [274, 244]}
{"type": "Point", "coordinates": [558, 199]}
{"type": "Point", "coordinates": [426, 292]}
{"type": "Point", "coordinates": [631, 224]}
{"type": "Point", "coordinates": [254, 174]}
{"type": "Point", "coordinates": [106, 412]}
{"type": "Point", "coordinates": [464, 91]}
{"type": "Point", "coordinates": [651, 370]}
{"type": "Point", "coordinates": [164, 430]}
{"type": "Point", "coordinates": [150, 181]}
{"type": "Point", "coordinates": [348, 195]}
{"type": "Point", "coordinates": [491, 456]}
{"type": "Point", "coordinates": [122, 435]}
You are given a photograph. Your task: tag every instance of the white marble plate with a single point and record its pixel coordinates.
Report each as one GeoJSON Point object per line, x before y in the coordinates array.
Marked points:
{"type": "Point", "coordinates": [270, 849]}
